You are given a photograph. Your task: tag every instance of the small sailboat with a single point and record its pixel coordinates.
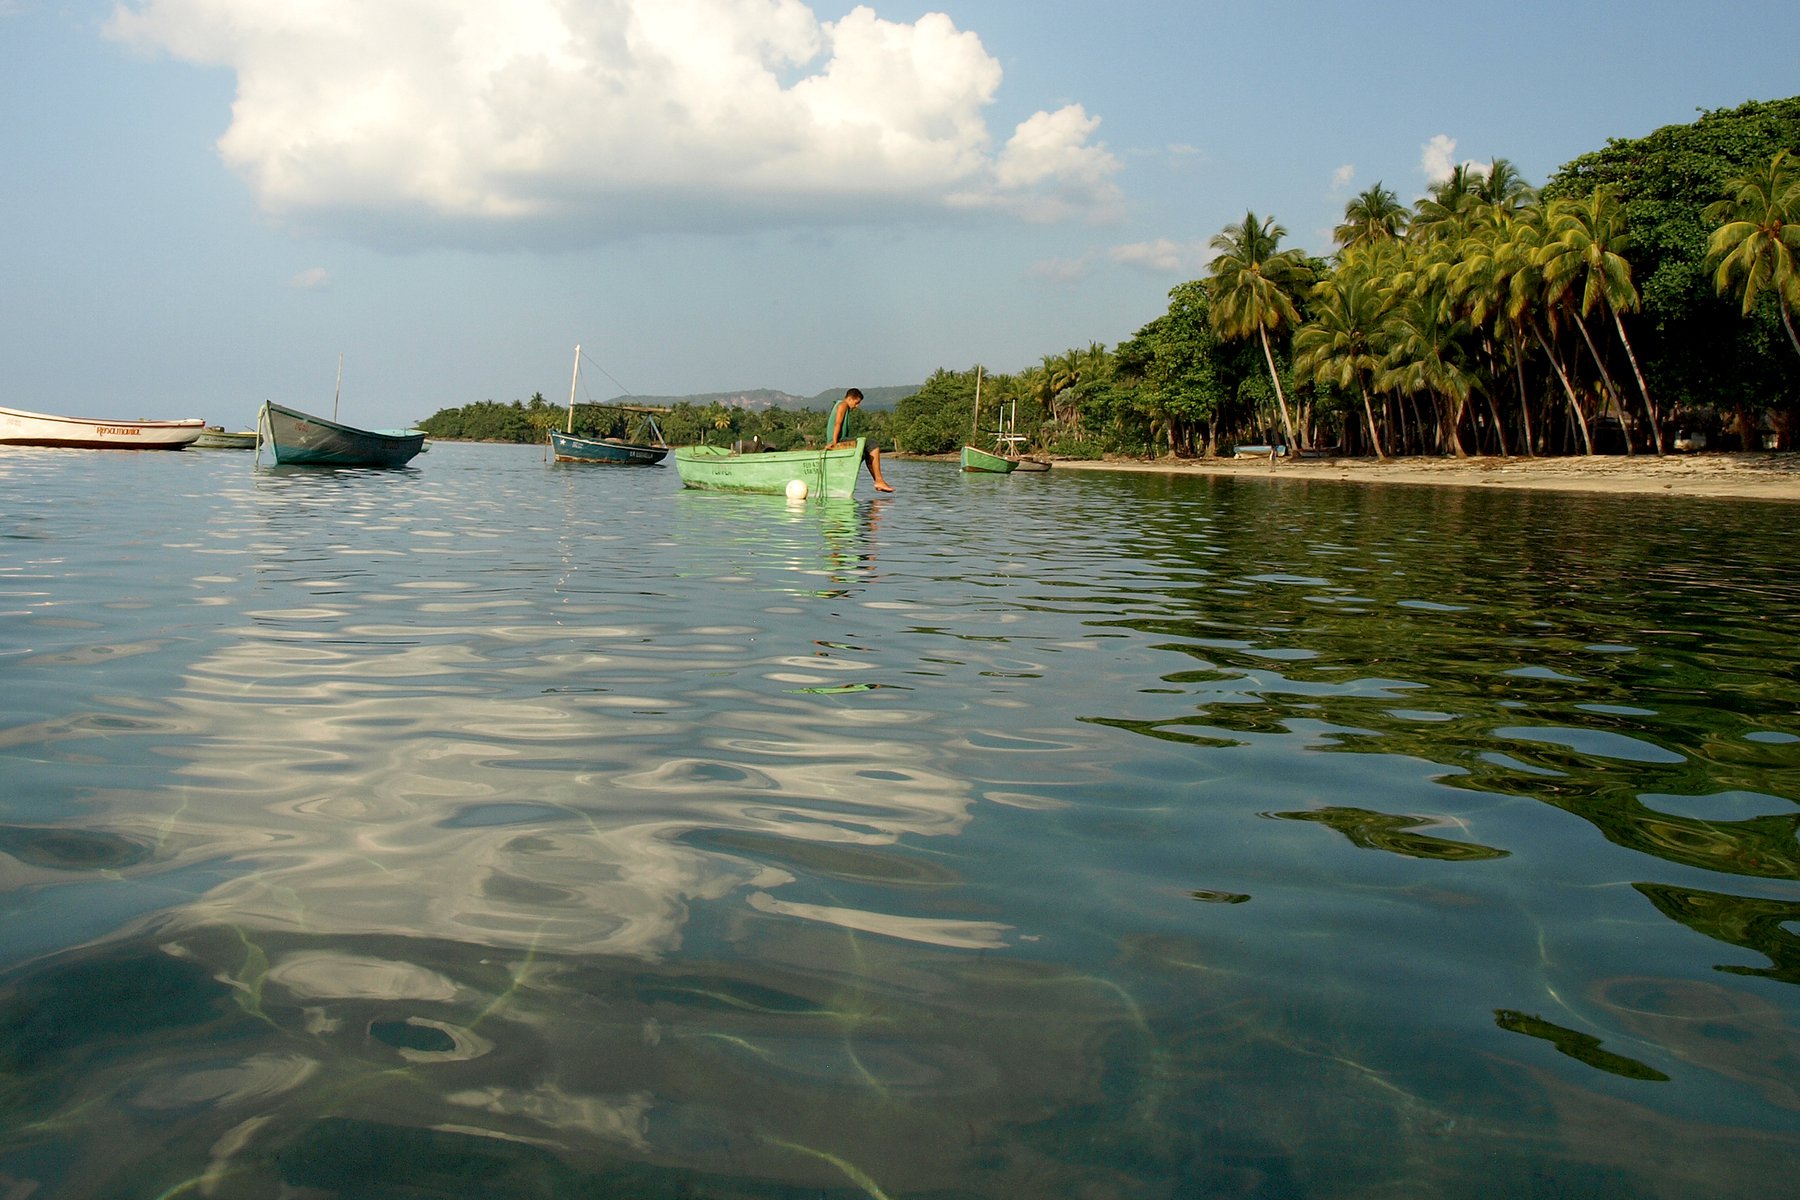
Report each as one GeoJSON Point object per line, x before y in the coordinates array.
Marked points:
{"type": "Point", "coordinates": [974, 458]}
{"type": "Point", "coordinates": [565, 446]}
{"type": "Point", "coordinates": [294, 438]}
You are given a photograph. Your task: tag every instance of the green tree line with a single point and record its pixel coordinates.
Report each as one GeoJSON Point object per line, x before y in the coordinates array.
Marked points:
{"type": "Point", "coordinates": [681, 424]}
{"type": "Point", "coordinates": [1643, 299]}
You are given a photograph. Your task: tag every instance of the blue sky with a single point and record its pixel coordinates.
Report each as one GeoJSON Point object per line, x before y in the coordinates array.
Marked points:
{"type": "Point", "coordinates": [206, 202]}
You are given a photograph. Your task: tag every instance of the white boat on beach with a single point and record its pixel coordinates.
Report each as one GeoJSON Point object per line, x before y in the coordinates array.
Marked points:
{"type": "Point", "coordinates": [21, 428]}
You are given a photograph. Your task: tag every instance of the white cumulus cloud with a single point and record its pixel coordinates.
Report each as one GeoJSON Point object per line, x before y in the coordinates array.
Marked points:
{"type": "Point", "coordinates": [1164, 256]}
{"type": "Point", "coordinates": [512, 122]}
{"type": "Point", "coordinates": [1343, 177]}
{"type": "Point", "coordinates": [312, 279]}
{"type": "Point", "coordinates": [1437, 158]}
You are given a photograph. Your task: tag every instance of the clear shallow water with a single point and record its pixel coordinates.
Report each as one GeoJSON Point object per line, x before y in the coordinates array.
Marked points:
{"type": "Point", "coordinates": [497, 828]}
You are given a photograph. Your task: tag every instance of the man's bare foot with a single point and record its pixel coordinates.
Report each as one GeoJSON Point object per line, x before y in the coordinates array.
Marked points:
{"type": "Point", "coordinates": [883, 487]}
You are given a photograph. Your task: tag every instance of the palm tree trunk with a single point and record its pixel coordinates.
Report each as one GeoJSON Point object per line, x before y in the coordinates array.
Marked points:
{"type": "Point", "coordinates": [1493, 359]}
{"type": "Point", "coordinates": [1587, 438]}
{"type": "Point", "coordinates": [1499, 424]}
{"type": "Point", "coordinates": [1606, 381]}
{"type": "Point", "coordinates": [1416, 432]}
{"type": "Point", "coordinates": [1280, 396]}
{"type": "Point", "coordinates": [1787, 321]}
{"type": "Point", "coordinates": [1369, 412]}
{"type": "Point", "coordinates": [1519, 377]}
{"type": "Point", "coordinates": [1453, 426]}
{"type": "Point", "coordinates": [1649, 404]}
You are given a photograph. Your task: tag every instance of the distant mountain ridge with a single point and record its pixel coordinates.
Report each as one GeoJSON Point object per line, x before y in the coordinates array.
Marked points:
{"type": "Point", "coordinates": [761, 399]}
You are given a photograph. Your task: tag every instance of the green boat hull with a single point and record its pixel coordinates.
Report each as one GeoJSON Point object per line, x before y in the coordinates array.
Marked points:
{"type": "Point", "coordinates": [981, 460]}
{"type": "Point", "coordinates": [827, 473]}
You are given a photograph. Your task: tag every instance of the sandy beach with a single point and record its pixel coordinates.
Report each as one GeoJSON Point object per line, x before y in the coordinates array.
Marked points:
{"type": "Point", "coordinates": [1755, 476]}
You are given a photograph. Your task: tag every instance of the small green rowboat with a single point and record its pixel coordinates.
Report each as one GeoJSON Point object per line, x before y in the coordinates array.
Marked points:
{"type": "Point", "coordinates": [827, 473]}
{"type": "Point", "coordinates": [981, 460]}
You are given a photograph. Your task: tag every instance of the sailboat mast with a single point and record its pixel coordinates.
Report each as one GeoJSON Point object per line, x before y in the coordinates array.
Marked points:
{"type": "Point", "coordinates": [339, 389]}
{"type": "Point", "coordinates": [975, 424]}
{"type": "Point", "coordinates": [573, 377]}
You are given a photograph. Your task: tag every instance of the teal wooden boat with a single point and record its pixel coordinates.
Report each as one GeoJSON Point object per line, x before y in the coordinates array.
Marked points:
{"type": "Point", "coordinates": [569, 447]}
{"type": "Point", "coordinates": [294, 438]}
{"type": "Point", "coordinates": [975, 459]}
{"type": "Point", "coordinates": [826, 473]}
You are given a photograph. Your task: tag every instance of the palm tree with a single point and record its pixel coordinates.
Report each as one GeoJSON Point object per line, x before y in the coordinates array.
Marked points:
{"type": "Point", "coordinates": [1504, 187]}
{"type": "Point", "coordinates": [1253, 283]}
{"type": "Point", "coordinates": [1375, 215]}
{"type": "Point", "coordinates": [1589, 237]}
{"type": "Point", "coordinates": [1757, 243]}
{"type": "Point", "coordinates": [1529, 304]}
{"type": "Point", "coordinates": [1062, 374]}
{"type": "Point", "coordinates": [1476, 284]}
{"type": "Point", "coordinates": [1424, 356]}
{"type": "Point", "coordinates": [1336, 346]}
{"type": "Point", "coordinates": [1442, 211]}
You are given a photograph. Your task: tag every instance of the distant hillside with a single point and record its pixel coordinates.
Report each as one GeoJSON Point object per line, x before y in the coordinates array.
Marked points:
{"type": "Point", "coordinates": [875, 399]}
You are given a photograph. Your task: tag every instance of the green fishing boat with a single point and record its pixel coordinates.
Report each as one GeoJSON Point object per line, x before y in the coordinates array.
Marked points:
{"type": "Point", "coordinates": [974, 459]}
{"type": "Point", "coordinates": [826, 473]}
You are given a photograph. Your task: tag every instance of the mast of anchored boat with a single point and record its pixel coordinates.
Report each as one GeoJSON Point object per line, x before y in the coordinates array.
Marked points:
{"type": "Point", "coordinates": [573, 377]}
{"type": "Point", "coordinates": [975, 424]}
{"type": "Point", "coordinates": [339, 389]}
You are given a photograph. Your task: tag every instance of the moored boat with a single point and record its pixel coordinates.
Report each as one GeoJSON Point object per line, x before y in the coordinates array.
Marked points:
{"type": "Point", "coordinates": [217, 437]}
{"type": "Point", "coordinates": [294, 438]}
{"type": "Point", "coordinates": [976, 459]}
{"type": "Point", "coordinates": [826, 473]}
{"type": "Point", "coordinates": [567, 446]}
{"type": "Point", "coordinates": [19, 427]}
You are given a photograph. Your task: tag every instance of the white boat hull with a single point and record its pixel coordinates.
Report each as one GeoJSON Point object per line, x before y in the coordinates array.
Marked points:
{"type": "Point", "coordinates": [21, 428]}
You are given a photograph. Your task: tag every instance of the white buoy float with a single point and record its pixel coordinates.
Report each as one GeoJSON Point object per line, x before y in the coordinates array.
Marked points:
{"type": "Point", "coordinates": [796, 489]}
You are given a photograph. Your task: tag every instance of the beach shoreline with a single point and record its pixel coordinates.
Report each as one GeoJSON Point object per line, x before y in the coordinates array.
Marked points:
{"type": "Point", "coordinates": [1712, 475]}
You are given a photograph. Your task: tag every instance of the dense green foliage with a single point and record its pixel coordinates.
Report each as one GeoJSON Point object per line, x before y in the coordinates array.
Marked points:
{"type": "Point", "coordinates": [681, 424]}
{"type": "Point", "coordinates": [1697, 346]}
{"type": "Point", "coordinates": [1643, 300]}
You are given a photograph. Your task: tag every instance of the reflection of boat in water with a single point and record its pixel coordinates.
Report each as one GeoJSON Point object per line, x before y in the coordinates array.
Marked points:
{"type": "Point", "coordinates": [827, 473]}
{"type": "Point", "coordinates": [567, 446]}
{"type": "Point", "coordinates": [21, 428]}
{"type": "Point", "coordinates": [217, 437]}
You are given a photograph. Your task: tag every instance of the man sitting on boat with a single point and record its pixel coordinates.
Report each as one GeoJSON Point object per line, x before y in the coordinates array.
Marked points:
{"type": "Point", "coordinates": [837, 434]}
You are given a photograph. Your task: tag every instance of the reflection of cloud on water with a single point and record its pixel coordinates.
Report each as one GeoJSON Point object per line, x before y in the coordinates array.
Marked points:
{"type": "Point", "coordinates": [537, 789]}
{"type": "Point", "coordinates": [951, 934]}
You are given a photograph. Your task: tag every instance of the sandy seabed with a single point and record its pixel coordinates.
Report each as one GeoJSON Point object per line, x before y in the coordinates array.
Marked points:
{"type": "Point", "coordinates": [1753, 476]}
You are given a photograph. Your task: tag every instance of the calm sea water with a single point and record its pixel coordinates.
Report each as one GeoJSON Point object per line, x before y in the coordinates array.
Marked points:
{"type": "Point", "coordinates": [494, 828]}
